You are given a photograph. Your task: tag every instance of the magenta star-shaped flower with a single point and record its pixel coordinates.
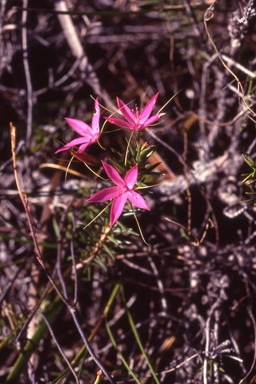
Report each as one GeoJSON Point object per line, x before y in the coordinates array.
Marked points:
{"type": "Point", "coordinates": [89, 134]}
{"type": "Point", "coordinates": [135, 120]}
{"type": "Point", "coordinates": [120, 193]}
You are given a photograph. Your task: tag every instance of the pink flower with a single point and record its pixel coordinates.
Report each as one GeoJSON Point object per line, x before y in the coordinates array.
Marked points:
{"type": "Point", "coordinates": [135, 120]}
{"type": "Point", "coordinates": [120, 193]}
{"type": "Point", "coordinates": [89, 134]}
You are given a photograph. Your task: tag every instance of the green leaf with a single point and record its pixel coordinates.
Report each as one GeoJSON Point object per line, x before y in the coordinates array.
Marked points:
{"type": "Point", "coordinates": [29, 348]}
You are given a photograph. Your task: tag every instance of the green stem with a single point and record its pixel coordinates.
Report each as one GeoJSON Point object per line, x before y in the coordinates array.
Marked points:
{"type": "Point", "coordinates": [119, 353]}
{"type": "Point", "coordinates": [138, 147]}
{"type": "Point", "coordinates": [83, 351]}
{"type": "Point", "coordinates": [30, 346]}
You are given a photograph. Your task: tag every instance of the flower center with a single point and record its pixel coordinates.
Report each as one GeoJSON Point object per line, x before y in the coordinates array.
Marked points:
{"type": "Point", "coordinates": [123, 190]}
{"type": "Point", "coordinates": [136, 116]}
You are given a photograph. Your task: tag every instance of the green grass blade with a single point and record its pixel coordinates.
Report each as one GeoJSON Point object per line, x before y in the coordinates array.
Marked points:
{"type": "Point", "coordinates": [119, 353]}
{"type": "Point", "coordinates": [138, 338]}
{"type": "Point", "coordinates": [30, 346]}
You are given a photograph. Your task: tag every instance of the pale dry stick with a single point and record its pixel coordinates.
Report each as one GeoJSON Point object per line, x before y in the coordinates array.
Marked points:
{"type": "Point", "coordinates": [137, 267]}
{"type": "Point", "coordinates": [208, 16]}
{"type": "Point", "coordinates": [159, 283]}
{"type": "Point", "coordinates": [187, 360]}
{"type": "Point", "coordinates": [235, 345]}
{"type": "Point", "coordinates": [216, 340]}
{"type": "Point", "coordinates": [2, 13]}
{"type": "Point", "coordinates": [231, 61]}
{"type": "Point", "coordinates": [207, 339]}
{"type": "Point", "coordinates": [235, 90]}
{"type": "Point", "coordinates": [249, 150]}
{"type": "Point", "coordinates": [181, 364]}
{"type": "Point", "coordinates": [122, 311]}
{"type": "Point", "coordinates": [198, 176]}
{"type": "Point", "coordinates": [203, 105]}
{"type": "Point", "coordinates": [69, 73]}
{"type": "Point", "coordinates": [249, 308]}
{"type": "Point", "coordinates": [78, 52]}
{"type": "Point", "coordinates": [16, 91]}
{"type": "Point", "coordinates": [212, 310]}
{"type": "Point", "coordinates": [71, 34]}
{"type": "Point", "coordinates": [186, 176]}
{"type": "Point", "coordinates": [239, 24]}
{"type": "Point", "coordinates": [27, 73]}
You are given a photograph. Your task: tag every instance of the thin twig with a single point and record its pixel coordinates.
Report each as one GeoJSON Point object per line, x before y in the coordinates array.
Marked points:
{"type": "Point", "coordinates": [159, 283]}
{"type": "Point", "coordinates": [249, 309]}
{"type": "Point", "coordinates": [73, 260]}
{"type": "Point", "coordinates": [27, 73]}
{"type": "Point", "coordinates": [21, 193]}
{"type": "Point", "coordinates": [207, 16]}
{"type": "Point", "coordinates": [112, 381]}
{"type": "Point", "coordinates": [62, 281]}
{"type": "Point", "coordinates": [58, 346]}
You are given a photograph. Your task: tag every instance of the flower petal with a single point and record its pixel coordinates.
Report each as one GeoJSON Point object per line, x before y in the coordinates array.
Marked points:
{"type": "Point", "coordinates": [137, 200]}
{"type": "Point", "coordinates": [148, 109]}
{"type": "Point", "coordinates": [120, 122]}
{"type": "Point", "coordinates": [113, 174]}
{"type": "Point", "coordinates": [126, 112]}
{"type": "Point", "coordinates": [83, 146]}
{"type": "Point", "coordinates": [117, 208]}
{"type": "Point", "coordinates": [104, 195]}
{"type": "Point", "coordinates": [131, 177]}
{"type": "Point", "coordinates": [151, 120]}
{"type": "Point", "coordinates": [72, 143]}
{"type": "Point", "coordinates": [80, 127]}
{"type": "Point", "coordinates": [96, 118]}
